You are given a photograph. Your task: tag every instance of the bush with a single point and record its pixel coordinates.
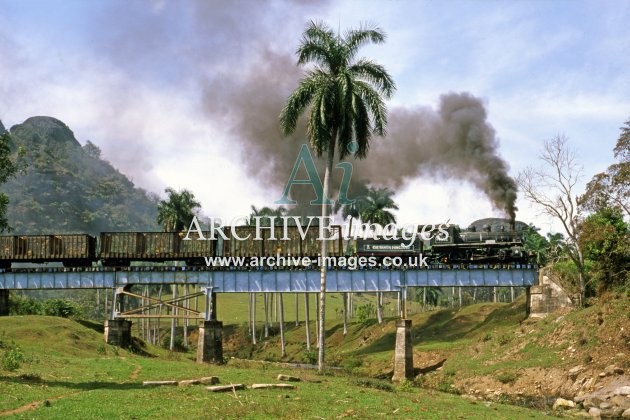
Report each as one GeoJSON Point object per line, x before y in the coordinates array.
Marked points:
{"type": "Point", "coordinates": [365, 312]}
{"type": "Point", "coordinates": [405, 386]}
{"type": "Point", "coordinates": [506, 377]}
{"type": "Point", "coordinates": [310, 357]}
{"type": "Point", "coordinates": [61, 308]}
{"type": "Point", "coordinates": [178, 343]}
{"type": "Point", "coordinates": [374, 383]}
{"type": "Point", "coordinates": [12, 359]}
{"type": "Point", "coordinates": [24, 305]}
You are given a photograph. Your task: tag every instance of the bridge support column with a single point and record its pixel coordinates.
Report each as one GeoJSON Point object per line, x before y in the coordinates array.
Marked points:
{"type": "Point", "coordinates": [4, 302]}
{"type": "Point", "coordinates": [118, 332]}
{"type": "Point", "coordinates": [403, 354]}
{"type": "Point", "coordinates": [210, 344]}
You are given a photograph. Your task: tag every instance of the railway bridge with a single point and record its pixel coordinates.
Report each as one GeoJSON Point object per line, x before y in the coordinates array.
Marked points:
{"type": "Point", "coordinates": [209, 282]}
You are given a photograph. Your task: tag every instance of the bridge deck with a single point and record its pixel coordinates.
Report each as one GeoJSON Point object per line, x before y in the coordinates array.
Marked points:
{"type": "Point", "coordinates": [271, 281]}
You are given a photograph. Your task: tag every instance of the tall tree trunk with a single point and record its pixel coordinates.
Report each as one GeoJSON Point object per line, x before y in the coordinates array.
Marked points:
{"type": "Point", "coordinates": [249, 313]}
{"type": "Point", "coordinates": [307, 321]}
{"type": "Point", "coordinates": [345, 313]}
{"type": "Point", "coordinates": [379, 307]}
{"type": "Point", "coordinates": [474, 295]}
{"type": "Point", "coordinates": [511, 294]}
{"type": "Point", "coordinates": [317, 323]}
{"type": "Point", "coordinates": [281, 323]}
{"type": "Point", "coordinates": [172, 345]}
{"type": "Point", "coordinates": [156, 335]}
{"type": "Point", "coordinates": [350, 305]}
{"type": "Point", "coordinates": [253, 306]}
{"type": "Point", "coordinates": [460, 296]}
{"type": "Point", "coordinates": [494, 294]}
{"type": "Point", "coordinates": [186, 292]}
{"type": "Point", "coordinates": [266, 303]}
{"type": "Point", "coordinates": [323, 266]}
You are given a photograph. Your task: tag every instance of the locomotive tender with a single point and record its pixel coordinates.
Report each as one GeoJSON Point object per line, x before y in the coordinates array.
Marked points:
{"type": "Point", "coordinates": [485, 241]}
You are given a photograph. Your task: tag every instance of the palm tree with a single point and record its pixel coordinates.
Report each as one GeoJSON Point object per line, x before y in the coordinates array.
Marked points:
{"type": "Point", "coordinates": [345, 96]}
{"type": "Point", "coordinates": [176, 213]}
{"type": "Point", "coordinates": [376, 208]}
{"type": "Point", "coordinates": [265, 213]}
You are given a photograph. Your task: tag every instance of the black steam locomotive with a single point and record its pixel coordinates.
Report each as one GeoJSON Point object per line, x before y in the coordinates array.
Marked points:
{"type": "Point", "coordinates": [485, 241]}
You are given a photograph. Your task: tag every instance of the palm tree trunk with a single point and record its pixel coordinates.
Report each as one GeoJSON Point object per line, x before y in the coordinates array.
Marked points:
{"type": "Point", "coordinates": [281, 324]}
{"type": "Point", "coordinates": [172, 344]}
{"type": "Point", "coordinates": [323, 267]}
{"type": "Point", "coordinates": [253, 297]}
{"type": "Point", "coordinates": [317, 324]}
{"type": "Point", "coordinates": [266, 302]}
{"type": "Point", "coordinates": [249, 313]}
{"type": "Point", "coordinates": [186, 292]}
{"type": "Point", "coordinates": [156, 334]}
{"type": "Point", "coordinates": [307, 320]}
{"type": "Point", "coordinates": [345, 313]}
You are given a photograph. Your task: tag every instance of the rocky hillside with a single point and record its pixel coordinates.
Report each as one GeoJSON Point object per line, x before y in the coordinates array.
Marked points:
{"type": "Point", "coordinates": [66, 187]}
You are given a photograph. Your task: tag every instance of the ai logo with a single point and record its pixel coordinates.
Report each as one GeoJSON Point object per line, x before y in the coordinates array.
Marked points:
{"type": "Point", "coordinates": [304, 156]}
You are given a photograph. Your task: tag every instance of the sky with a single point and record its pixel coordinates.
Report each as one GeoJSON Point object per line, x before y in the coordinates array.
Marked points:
{"type": "Point", "coordinates": [186, 94]}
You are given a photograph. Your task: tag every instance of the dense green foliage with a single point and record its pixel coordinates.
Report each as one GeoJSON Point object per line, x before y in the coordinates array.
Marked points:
{"type": "Point", "coordinates": [376, 205]}
{"type": "Point", "coordinates": [68, 188]}
{"type": "Point", "coordinates": [25, 305]}
{"type": "Point", "coordinates": [176, 212]}
{"type": "Point", "coordinates": [605, 238]}
{"type": "Point", "coordinates": [8, 168]}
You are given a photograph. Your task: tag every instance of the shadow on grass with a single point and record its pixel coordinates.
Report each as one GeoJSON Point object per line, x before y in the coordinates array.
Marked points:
{"type": "Point", "coordinates": [448, 326]}
{"type": "Point", "coordinates": [81, 386]}
{"type": "Point", "coordinates": [93, 325]}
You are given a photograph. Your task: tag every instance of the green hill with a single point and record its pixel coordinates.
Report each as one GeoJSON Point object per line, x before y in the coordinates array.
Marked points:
{"type": "Point", "coordinates": [66, 371]}
{"type": "Point", "coordinates": [66, 187]}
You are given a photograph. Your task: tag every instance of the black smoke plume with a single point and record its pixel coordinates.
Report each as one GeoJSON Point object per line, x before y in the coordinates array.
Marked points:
{"type": "Point", "coordinates": [456, 141]}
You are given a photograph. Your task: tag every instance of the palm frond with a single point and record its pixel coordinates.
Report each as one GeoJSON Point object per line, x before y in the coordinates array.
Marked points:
{"type": "Point", "coordinates": [356, 38]}
{"type": "Point", "coordinates": [375, 74]}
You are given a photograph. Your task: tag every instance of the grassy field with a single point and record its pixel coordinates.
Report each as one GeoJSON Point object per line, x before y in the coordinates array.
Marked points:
{"type": "Point", "coordinates": [66, 371]}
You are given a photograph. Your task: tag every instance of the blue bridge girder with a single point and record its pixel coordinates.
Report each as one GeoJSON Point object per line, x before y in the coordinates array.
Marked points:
{"type": "Point", "coordinates": [270, 280]}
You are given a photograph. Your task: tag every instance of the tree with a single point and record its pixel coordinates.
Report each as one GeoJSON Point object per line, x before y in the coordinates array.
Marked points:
{"type": "Point", "coordinates": [265, 213]}
{"type": "Point", "coordinates": [345, 96]}
{"type": "Point", "coordinates": [536, 244]}
{"type": "Point", "coordinates": [8, 167]}
{"type": "Point", "coordinates": [552, 188]}
{"type": "Point", "coordinates": [605, 239]}
{"type": "Point", "coordinates": [176, 213]}
{"type": "Point", "coordinates": [612, 188]}
{"type": "Point", "coordinates": [376, 207]}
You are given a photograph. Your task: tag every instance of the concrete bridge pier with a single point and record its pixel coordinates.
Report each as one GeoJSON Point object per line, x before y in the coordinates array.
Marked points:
{"type": "Point", "coordinates": [4, 302]}
{"type": "Point", "coordinates": [403, 353]}
{"type": "Point", "coordinates": [210, 344]}
{"type": "Point", "coordinates": [118, 332]}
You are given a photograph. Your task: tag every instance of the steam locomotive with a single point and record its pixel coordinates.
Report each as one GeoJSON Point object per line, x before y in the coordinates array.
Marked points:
{"type": "Point", "coordinates": [485, 241]}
